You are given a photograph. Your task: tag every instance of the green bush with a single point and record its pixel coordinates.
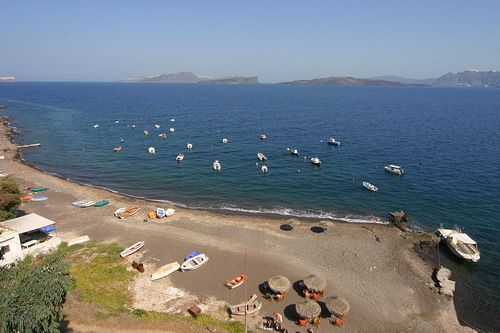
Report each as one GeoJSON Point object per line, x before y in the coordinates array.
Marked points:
{"type": "Point", "coordinates": [10, 198]}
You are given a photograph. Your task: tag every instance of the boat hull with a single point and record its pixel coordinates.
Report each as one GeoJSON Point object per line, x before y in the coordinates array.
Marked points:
{"type": "Point", "coordinates": [132, 249]}
{"type": "Point", "coordinates": [165, 270]}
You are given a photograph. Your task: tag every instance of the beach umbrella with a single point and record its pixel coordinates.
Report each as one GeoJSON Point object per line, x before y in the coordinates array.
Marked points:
{"type": "Point", "coordinates": [279, 284]}
{"type": "Point", "coordinates": [315, 283]}
{"type": "Point", "coordinates": [337, 306]}
{"type": "Point", "coordinates": [308, 309]}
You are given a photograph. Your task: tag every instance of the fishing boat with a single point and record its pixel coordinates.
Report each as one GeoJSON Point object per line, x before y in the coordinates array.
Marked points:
{"type": "Point", "coordinates": [460, 244]}
{"type": "Point", "coordinates": [249, 307]}
{"type": "Point", "coordinates": [39, 198]}
{"type": "Point", "coordinates": [194, 262]}
{"type": "Point", "coordinates": [117, 149]}
{"type": "Point", "coordinates": [172, 130]}
{"type": "Point", "coordinates": [169, 212]}
{"type": "Point", "coordinates": [179, 157]}
{"type": "Point", "coordinates": [217, 166]}
{"type": "Point", "coordinates": [263, 137]}
{"type": "Point", "coordinates": [132, 249]}
{"type": "Point", "coordinates": [264, 169]}
{"type": "Point", "coordinates": [189, 146]}
{"type": "Point", "coordinates": [38, 189]}
{"type": "Point", "coordinates": [191, 255]}
{"type": "Point", "coordinates": [261, 157]}
{"type": "Point", "coordinates": [224, 141]}
{"type": "Point", "coordinates": [157, 126]}
{"type": "Point", "coordinates": [88, 203]}
{"type": "Point", "coordinates": [146, 132]}
{"type": "Point", "coordinates": [315, 161]}
{"type": "Point", "coordinates": [162, 135]}
{"type": "Point", "coordinates": [129, 211]}
{"type": "Point", "coordinates": [235, 282]}
{"type": "Point", "coordinates": [160, 213]}
{"type": "Point", "coordinates": [333, 142]}
{"type": "Point", "coordinates": [370, 187]}
{"type": "Point", "coordinates": [394, 169]}
{"type": "Point", "coordinates": [165, 270]}
{"type": "Point", "coordinates": [101, 203]}
{"type": "Point", "coordinates": [152, 150]}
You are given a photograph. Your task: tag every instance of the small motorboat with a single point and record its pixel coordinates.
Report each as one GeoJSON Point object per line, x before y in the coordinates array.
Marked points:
{"type": "Point", "coordinates": [117, 122]}
{"type": "Point", "coordinates": [172, 120]}
{"type": "Point", "coordinates": [194, 262]}
{"type": "Point", "coordinates": [394, 169]}
{"type": "Point", "coordinates": [152, 150]}
{"type": "Point", "coordinates": [172, 130]}
{"type": "Point", "coordinates": [264, 169]}
{"type": "Point", "coordinates": [224, 141]}
{"type": "Point", "coordinates": [165, 270]}
{"type": "Point", "coordinates": [162, 135]}
{"type": "Point", "coordinates": [119, 211]}
{"type": "Point", "coordinates": [157, 126]}
{"type": "Point", "coordinates": [189, 146]}
{"type": "Point", "coordinates": [96, 126]}
{"type": "Point", "coordinates": [39, 198]}
{"type": "Point", "coordinates": [261, 157]}
{"type": "Point", "coordinates": [126, 212]}
{"type": "Point", "coordinates": [333, 142]}
{"type": "Point", "coordinates": [315, 161]}
{"type": "Point", "coordinates": [146, 132]}
{"type": "Point", "coordinates": [294, 152]}
{"type": "Point", "coordinates": [121, 140]}
{"type": "Point", "coordinates": [38, 189]}
{"type": "Point", "coordinates": [169, 212]}
{"type": "Point", "coordinates": [133, 126]}
{"type": "Point", "coordinates": [101, 203]}
{"type": "Point", "coordinates": [235, 282]}
{"type": "Point", "coordinates": [370, 187]}
{"type": "Point", "coordinates": [249, 307]}
{"type": "Point", "coordinates": [217, 166]}
{"type": "Point", "coordinates": [263, 137]}
{"type": "Point", "coordinates": [191, 255]}
{"type": "Point", "coordinates": [160, 213]}
{"type": "Point", "coordinates": [117, 149]}
{"type": "Point", "coordinates": [460, 244]}
{"type": "Point", "coordinates": [87, 203]}
{"type": "Point", "coordinates": [132, 249]}
{"type": "Point", "coordinates": [179, 157]}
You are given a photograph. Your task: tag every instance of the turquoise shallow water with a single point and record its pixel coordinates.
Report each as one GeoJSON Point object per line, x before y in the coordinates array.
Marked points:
{"type": "Point", "coordinates": [447, 140]}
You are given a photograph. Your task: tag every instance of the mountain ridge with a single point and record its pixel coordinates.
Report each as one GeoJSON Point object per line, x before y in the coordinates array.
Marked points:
{"type": "Point", "coordinates": [191, 78]}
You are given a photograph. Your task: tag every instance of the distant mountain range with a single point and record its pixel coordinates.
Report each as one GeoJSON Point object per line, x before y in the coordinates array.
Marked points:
{"type": "Point", "coordinates": [345, 81]}
{"type": "Point", "coordinates": [188, 77]}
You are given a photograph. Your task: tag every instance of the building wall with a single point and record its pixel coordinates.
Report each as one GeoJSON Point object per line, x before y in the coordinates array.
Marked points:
{"type": "Point", "coordinates": [12, 241]}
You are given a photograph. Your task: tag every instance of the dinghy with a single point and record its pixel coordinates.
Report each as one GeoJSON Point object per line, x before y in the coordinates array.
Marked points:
{"type": "Point", "coordinates": [39, 198]}
{"type": "Point", "coordinates": [165, 270]}
{"type": "Point", "coordinates": [370, 187]}
{"type": "Point", "coordinates": [252, 306]}
{"type": "Point", "coordinates": [152, 150]}
{"type": "Point", "coordinates": [169, 212]}
{"type": "Point", "coordinates": [261, 157]}
{"type": "Point", "coordinates": [216, 165]}
{"type": "Point", "coordinates": [132, 249]}
{"type": "Point", "coordinates": [179, 157]}
{"type": "Point", "coordinates": [235, 282]}
{"type": "Point", "coordinates": [194, 262]}
{"type": "Point", "coordinates": [160, 213]}
{"type": "Point", "coordinates": [39, 189]}
{"type": "Point", "coordinates": [87, 203]}
{"type": "Point", "coordinates": [394, 169]}
{"type": "Point", "coordinates": [101, 203]}
{"type": "Point", "coordinates": [316, 161]}
{"type": "Point", "coordinates": [129, 211]}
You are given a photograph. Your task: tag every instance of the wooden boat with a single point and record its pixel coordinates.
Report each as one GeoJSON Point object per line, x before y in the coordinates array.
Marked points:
{"type": "Point", "coordinates": [129, 211]}
{"type": "Point", "coordinates": [132, 249]}
{"type": "Point", "coordinates": [165, 270]}
{"type": "Point", "coordinates": [101, 203]}
{"type": "Point", "coordinates": [38, 189]}
{"type": "Point", "coordinates": [169, 212]}
{"type": "Point", "coordinates": [460, 244]}
{"type": "Point", "coordinates": [236, 282]}
{"type": "Point", "coordinates": [160, 213]}
{"type": "Point", "coordinates": [27, 198]}
{"type": "Point", "coordinates": [370, 187]}
{"type": "Point", "coordinates": [252, 306]}
{"type": "Point", "coordinates": [194, 262]}
{"type": "Point", "coordinates": [39, 198]}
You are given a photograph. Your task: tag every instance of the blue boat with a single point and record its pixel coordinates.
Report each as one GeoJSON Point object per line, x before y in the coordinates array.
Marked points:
{"type": "Point", "coordinates": [191, 255]}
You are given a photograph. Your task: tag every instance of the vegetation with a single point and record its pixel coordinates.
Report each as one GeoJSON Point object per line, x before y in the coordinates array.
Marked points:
{"type": "Point", "coordinates": [32, 293]}
{"type": "Point", "coordinates": [10, 198]}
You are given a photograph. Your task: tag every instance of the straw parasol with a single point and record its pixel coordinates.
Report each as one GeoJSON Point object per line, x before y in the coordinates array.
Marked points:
{"type": "Point", "coordinates": [315, 283]}
{"type": "Point", "coordinates": [308, 309]}
{"type": "Point", "coordinates": [279, 284]}
{"type": "Point", "coordinates": [337, 306]}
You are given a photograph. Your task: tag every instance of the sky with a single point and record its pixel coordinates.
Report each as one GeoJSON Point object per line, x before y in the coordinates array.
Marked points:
{"type": "Point", "coordinates": [275, 40]}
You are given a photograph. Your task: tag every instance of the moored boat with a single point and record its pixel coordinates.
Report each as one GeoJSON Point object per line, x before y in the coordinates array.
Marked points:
{"type": "Point", "coordinates": [249, 307]}
{"type": "Point", "coordinates": [264, 169]}
{"type": "Point", "coordinates": [87, 203]}
{"type": "Point", "coordinates": [316, 161]}
{"type": "Point", "coordinates": [194, 262]}
{"type": "Point", "coordinates": [146, 132]}
{"type": "Point", "coordinates": [261, 157]}
{"type": "Point", "coordinates": [189, 146]}
{"type": "Point", "coordinates": [216, 165]}
{"type": "Point", "coordinates": [224, 141]}
{"type": "Point", "coordinates": [152, 150]}
{"type": "Point", "coordinates": [333, 142]}
{"type": "Point", "coordinates": [394, 169]}
{"type": "Point", "coordinates": [96, 125]}
{"type": "Point", "coordinates": [263, 137]}
{"type": "Point", "coordinates": [162, 135]}
{"type": "Point", "coordinates": [235, 282]}
{"type": "Point", "coordinates": [180, 157]}
{"type": "Point", "coordinates": [294, 152]}
{"type": "Point", "coordinates": [165, 270]}
{"type": "Point", "coordinates": [460, 244]}
{"type": "Point", "coordinates": [117, 149]}
{"type": "Point", "coordinates": [172, 130]}
{"type": "Point", "coordinates": [157, 126]}
{"type": "Point", "coordinates": [132, 249]}
{"type": "Point", "coordinates": [370, 187]}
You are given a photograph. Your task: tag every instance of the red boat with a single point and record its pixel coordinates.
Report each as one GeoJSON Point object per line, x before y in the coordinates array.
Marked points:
{"type": "Point", "coordinates": [236, 282]}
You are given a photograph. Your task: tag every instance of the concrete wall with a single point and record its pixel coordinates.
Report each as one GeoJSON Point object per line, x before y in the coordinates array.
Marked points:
{"type": "Point", "coordinates": [11, 239]}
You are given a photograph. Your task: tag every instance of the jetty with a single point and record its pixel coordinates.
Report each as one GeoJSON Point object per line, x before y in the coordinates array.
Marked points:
{"type": "Point", "coordinates": [29, 145]}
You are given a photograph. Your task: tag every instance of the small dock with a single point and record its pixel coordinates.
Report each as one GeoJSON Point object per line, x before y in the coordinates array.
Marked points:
{"type": "Point", "coordinates": [29, 146]}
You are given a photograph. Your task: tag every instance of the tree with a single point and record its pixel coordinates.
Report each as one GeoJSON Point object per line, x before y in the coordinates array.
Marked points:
{"type": "Point", "coordinates": [10, 198]}
{"type": "Point", "coordinates": [32, 293]}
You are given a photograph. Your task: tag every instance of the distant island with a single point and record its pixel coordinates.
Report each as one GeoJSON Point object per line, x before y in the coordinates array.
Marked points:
{"type": "Point", "coordinates": [345, 81]}
{"type": "Point", "coordinates": [7, 79]}
{"type": "Point", "coordinates": [188, 77]}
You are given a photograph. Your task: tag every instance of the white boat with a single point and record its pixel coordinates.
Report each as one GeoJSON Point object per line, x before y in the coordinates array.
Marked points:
{"type": "Point", "coordinates": [165, 270]}
{"type": "Point", "coordinates": [224, 141]}
{"type": "Point", "coordinates": [263, 137]}
{"type": "Point", "coordinates": [133, 126]}
{"type": "Point", "coordinates": [96, 126]}
{"type": "Point", "coordinates": [315, 161]}
{"type": "Point", "coordinates": [146, 132]}
{"type": "Point", "coordinates": [160, 213]}
{"type": "Point", "coordinates": [194, 262]}
{"type": "Point", "coordinates": [87, 203]}
{"type": "Point", "coordinates": [157, 126]}
{"type": "Point", "coordinates": [78, 240]}
{"type": "Point", "coordinates": [261, 157]}
{"type": "Point", "coordinates": [179, 157]}
{"type": "Point", "coordinates": [249, 307]}
{"type": "Point", "coordinates": [460, 244]}
{"type": "Point", "coordinates": [394, 169]}
{"type": "Point", "coordinates": [78, 203]}
{"type": "Point", "coordinates": [117, 149]}
{"type": "Point", "coordinates": [264, 169]}
{"type": "Point", "coordinates": [117, 122]}
{"type": "Point", "coordinates": [294, 151]}
{"type": "Point", "coordinates": [217, 166]}
{"type": "Point", "coordinates": [172, 130]}
{"type": "Point", "coordinates": [169, 212]}
{"type": "Point", "coordinates": [189, 146]}
{"type": "Point", "coordinates": [172, 119]}
{"type": "Point", "coordinates": [152, 150]}
{"type": "Point", "coordinates": [132, 249]}
{"type": "Point", "coordinates": [370, 187]}
{"type": "Point", "coordinates": [333, 142]}
{"type": "Point", "coordinates": [119, 211]}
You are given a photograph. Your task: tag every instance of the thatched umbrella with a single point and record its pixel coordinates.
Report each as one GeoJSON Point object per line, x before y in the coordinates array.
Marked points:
{"type": "Point", "coordinates": [308, 309]}
{"type": "Point", "coordinates": [337, 306]}
{"type": "Point", "coordinates": [315, 283]}
{"type": "Point", "coordinates": [279, 284]}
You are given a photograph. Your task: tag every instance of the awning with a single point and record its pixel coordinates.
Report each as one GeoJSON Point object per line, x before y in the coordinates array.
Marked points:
{"type": "Point", "coordinates": [27, 223]}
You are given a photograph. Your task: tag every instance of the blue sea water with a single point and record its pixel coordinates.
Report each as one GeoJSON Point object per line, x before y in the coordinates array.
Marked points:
{"type": "Point", "coordinates": [446, 139]}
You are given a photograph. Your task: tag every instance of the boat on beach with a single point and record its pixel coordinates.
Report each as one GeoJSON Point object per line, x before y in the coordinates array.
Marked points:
{"type": "Point", "coordinates": [261, 157]}
{"type": "Point", "coordinates": [152, 150]}
{"type": "Point", "coordinates": [165, 270]}
{"type": "Point", "coordinates": [191, 255]}
{"type": "Point", "coordinates": [194, 262]}
{"type": "Point", "coordinates": [235, 282]}
{"type": "Point", "coordinates": [394, 169]}
{"type": "Point", "coordinates": [333, 142]}
{"type": "Point", "coordinates": [370, 187]}
{"type": "Point", "coordinates": [160, 213]}
{"type": "Point", "coordinates": [132, 249]}
{"type": "Point", "coordinates": [39, 198]}
{"type": "Point", "coordinates": [122, 213]}
{"type": "Point", "coordinates": [316, 161]}
{"type": "Point", "coordinates": [216, 165]}
{"type": "Point", "coordinates": [249, 307]}
{"type": "Point", "coordinates": [38, 189]}
{"type": "Point", "coordinates": [460, 244]}
{"type": "Point", "coordinates": [101, 203]}
{"type": "Point", "coordinates": [169, 212]}
{"type": "Point", "coordinates": [87, 203]}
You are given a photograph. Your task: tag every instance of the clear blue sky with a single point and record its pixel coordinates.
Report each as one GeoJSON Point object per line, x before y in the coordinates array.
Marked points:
{"type": "Point", "coordinates": [275, 40]}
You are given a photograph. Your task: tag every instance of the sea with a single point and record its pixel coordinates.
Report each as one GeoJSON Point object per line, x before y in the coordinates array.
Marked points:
{"type": "Point", "coordinates": [446, 139]}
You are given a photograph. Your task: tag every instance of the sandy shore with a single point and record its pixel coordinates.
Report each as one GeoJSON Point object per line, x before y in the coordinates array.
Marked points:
{"type": "Point", "coordinates": [385, 281]}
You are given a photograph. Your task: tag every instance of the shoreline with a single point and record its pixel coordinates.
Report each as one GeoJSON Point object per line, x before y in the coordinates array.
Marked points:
{"type": "Point", "coordinates": [400, 290]}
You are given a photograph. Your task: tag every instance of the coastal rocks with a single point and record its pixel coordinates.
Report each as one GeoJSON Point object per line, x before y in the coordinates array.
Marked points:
{"type": "Point", "coordinates": [446, 286]}
{"type": "Point", "coordinates": [399, 220]}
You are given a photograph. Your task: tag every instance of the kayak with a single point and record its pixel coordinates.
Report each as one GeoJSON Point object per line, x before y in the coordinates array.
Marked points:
{"type": "Point", "coordinates": [101, 203]}
{"type": "Point", "coordinates": [39, 198]}
{"type": "Point", "coordinates": [39, 189]}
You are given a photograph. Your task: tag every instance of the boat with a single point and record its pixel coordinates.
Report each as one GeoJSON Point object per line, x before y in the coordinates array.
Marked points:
{"type": "Point", "coordinates": [217, 166]}
{"type": "Point", "coordinates": [152, 214]}
{"type": "Point", "coordinates": [38, 189]}
{"type": "Point", "coordinates": [169, 212]}
{"type": "Point", "coordinates": [27, 198]}
{"type": "Point", "coordinates": [333, 142]}
{"type": "Point", "coordinates": [117, 121]}
{"type": "Point", "coordinates": [192, 254]}
{"type": "Point", "coordinates": [101, 203]}
{"type": "Point", "coordinates": [119, 211]}
{"type": "Point", "coordinates": [157, 126]}
{"type": "Point", "coordinates": [96, 126]}
{"type": "Point", "coordinates": [152, 150]}
{"type": "Point", "coordinates": [39, 198]}
{"type": "Point", "coordinates": [263, 137]}
{"type": "Point", "coordinates": [261, 157]}
{"type": "Point", "coordinates": [179, 157]}
{"type": "Point", "coordinates": [189, 146]}
{"type": "Point", "coordinates": [78, 240]}
{"type": "Point", "coordinates": [194, 262]}
{"type": "Point", "coordinates": [79, 203]}
{"type": "Point", "coordinates": [235, 282]}
{"type": "Point", "coordinates": [224, 141]}
{"type": "Point", "coordinates": [294, 152]}
{"type": "Point", "coordinates": [460, 244]}
{"type": "Point", "coordinates": [117, 149]}
{"type": "Point", "coordinates": [165, 270]}
{"type": "Point", "coordinates": [146, 132]}
{"type": "Point", "coordinates": [249, 307]}
{"type": "Point", "coordinates": [132, 249]}
{"type": "Point", "coordinates": [121, 140]}
{"type": "Point", "coordinates": [370, 187]}
{"type": "Point", "coordinates": [172, 120]}
{"type": "Point", "coordinates": [129, 211]}
{"type": "Point", "coordinates": [394, 169]}
{"type": "Point", "coordinates": [133, 126]}
{"type": "Point", "coordinates": [88, 203]}
{"type": "Point", "coordinates": [172, 130]}
{"type": "Point", "coordinates": [315, 161]}
{"type": "Point", "coordinates": [160, 213]}
{"type": "Point", "coordinates": [162, 135]}
{"type": "Point", "coordinates": [264, 169]}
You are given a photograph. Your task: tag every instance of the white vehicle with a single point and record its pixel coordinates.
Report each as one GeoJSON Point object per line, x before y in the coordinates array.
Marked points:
{"type": "Point", "coordinates": [333, 142]}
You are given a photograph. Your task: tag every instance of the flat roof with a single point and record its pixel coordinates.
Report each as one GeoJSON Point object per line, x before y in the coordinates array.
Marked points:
{"type": "Point", "coordinates": [27, 223]}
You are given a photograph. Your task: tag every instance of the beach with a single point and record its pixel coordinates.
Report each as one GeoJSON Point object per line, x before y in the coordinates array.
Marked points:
{"type": "Point", "coordinates": [374, 267]}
